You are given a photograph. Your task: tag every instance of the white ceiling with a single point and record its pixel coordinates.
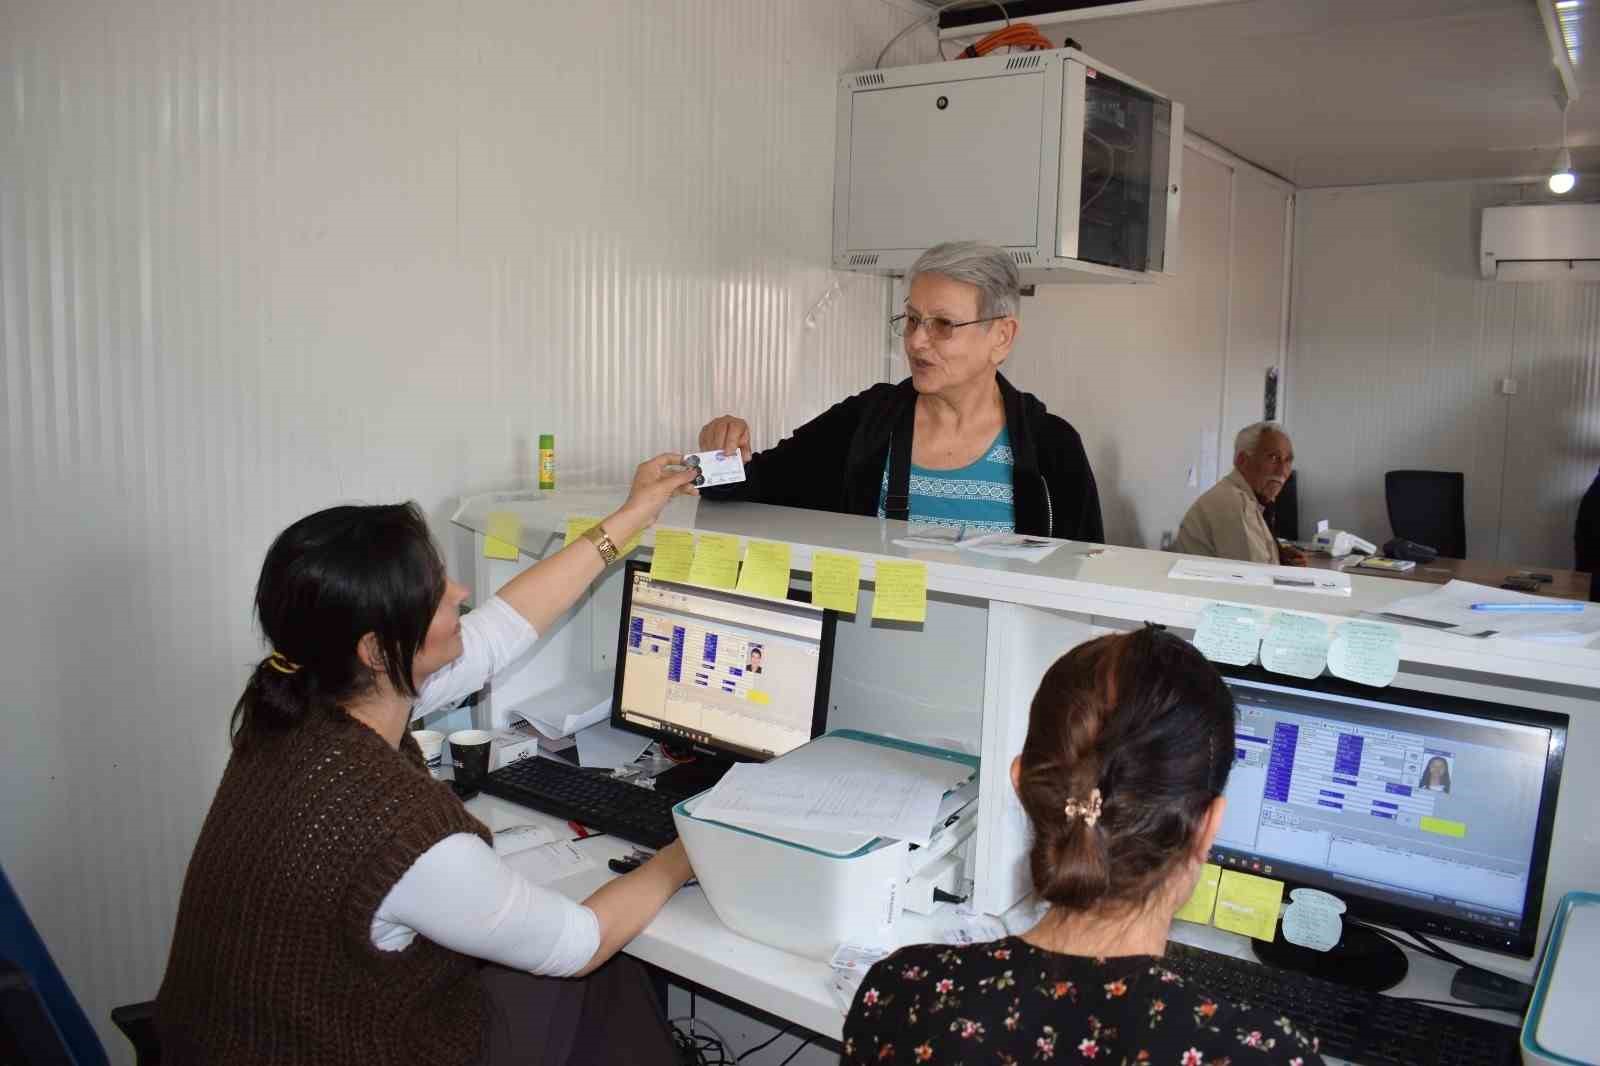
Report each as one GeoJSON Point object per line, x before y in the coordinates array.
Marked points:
{"type": "Point", "coordinates": [1341, 92]}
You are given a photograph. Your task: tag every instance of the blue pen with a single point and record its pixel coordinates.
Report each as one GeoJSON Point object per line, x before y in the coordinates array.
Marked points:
{"type": "Point", "coordinates": [1539, 608]}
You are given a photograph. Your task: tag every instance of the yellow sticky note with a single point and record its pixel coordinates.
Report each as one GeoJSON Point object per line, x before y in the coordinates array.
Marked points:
{"type": "Point", "coordinates": [1248, 904]}
{"type": "Point", "coordinates": [766, 569]}
{"type": "Point", "coordinates": [835, 581]}
{"type": "Point", "coordinates": [500, 542]}
{"type": "Point", "coordinates": [579, 524]}
{"type": "Point", "coordinates": [1204, 899]}
{"type": "Point", "coordinates": [674, 554]}
{"type": "Point", "coordinates": [1443, 826]}
{"type": "Point", "coordinates": [902, 592]}
{"type": "Point", "coordinates": [716, 561]}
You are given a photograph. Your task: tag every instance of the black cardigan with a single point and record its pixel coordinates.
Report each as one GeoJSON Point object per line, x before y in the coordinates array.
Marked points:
{"type": "Point", "coordinates": [835, 463]}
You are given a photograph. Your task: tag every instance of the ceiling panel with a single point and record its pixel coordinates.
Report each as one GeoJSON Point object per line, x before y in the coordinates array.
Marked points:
{"type": "Point", "coordinates": [1334, 92]}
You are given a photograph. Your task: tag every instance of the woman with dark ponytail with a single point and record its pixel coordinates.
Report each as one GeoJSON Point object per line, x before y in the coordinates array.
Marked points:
{"type": "Point", "coordinates": [341, 905]}
{"type": "Point", "coordinates": [1130, 740]}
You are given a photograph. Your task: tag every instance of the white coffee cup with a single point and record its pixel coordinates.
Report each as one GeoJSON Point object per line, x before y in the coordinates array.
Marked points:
{"type": "Point", "coordinates": [432, 744]}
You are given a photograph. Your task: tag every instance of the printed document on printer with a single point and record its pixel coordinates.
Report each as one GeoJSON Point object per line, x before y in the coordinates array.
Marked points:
{"type": "Point", "coordinates": [887, 803]}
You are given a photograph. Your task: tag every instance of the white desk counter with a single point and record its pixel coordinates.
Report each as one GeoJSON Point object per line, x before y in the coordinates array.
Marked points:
{"type": "Point", "coordinates": [1124, 583]}
{"type": "Point", "coordinates": [967, 676]}
{"type": "Point", "coordinates": [689, 941]}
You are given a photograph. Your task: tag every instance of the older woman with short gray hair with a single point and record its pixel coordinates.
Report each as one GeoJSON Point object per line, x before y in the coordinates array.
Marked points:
{"type": "Point", "coordinates": [954, 444]}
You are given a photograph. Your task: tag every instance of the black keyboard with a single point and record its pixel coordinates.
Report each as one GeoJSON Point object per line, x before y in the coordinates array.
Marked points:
{"type": "Point", "coordinates": [589, 797]}
{"type": "Point", "coordinates": [1364, 1027]}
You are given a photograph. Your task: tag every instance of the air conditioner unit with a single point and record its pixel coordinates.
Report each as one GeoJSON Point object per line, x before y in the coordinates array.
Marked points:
{"type": "Point", "coordinates": [1070, 166]}
{"type": "Point", "coordinates": [1541, 242]}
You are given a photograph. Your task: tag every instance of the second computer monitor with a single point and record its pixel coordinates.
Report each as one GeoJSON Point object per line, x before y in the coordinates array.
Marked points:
{"type": "Point", "coordinates": [733, 676]}
{"type": "Point", "coordinates": [1424, 811]}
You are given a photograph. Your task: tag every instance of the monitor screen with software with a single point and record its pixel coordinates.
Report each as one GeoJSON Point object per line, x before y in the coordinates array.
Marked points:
{"type": "Point", "coordinates": [1421, 811]}
{"type": "Point", "coordinates": [735, 676]}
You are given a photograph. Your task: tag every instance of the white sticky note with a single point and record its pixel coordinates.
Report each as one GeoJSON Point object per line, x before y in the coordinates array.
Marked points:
{"type": "Point", "coordinates": [1365, 652]}
{"type": "Point", "coordinates": [1228, 634]}
{"type": "Point", "coordinates": [1312, 919]}
{"type": "Point", "coordinates": [520, 838]}
{"type": "Point", "coordinates": [1295, 644]}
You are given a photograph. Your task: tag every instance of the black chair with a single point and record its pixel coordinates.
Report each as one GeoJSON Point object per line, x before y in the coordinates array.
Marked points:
{"type": "Point", "coordinates": [1283, 514]}
{"type": "Point", "coordinates": [1429, 507]}
{"type": "Point", "coordinates": [138, 1023]}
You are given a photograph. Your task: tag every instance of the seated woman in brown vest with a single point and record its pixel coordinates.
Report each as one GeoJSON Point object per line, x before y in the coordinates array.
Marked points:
{"type": "Point", "coordinates": [341, 905]}
{"type": "Point", "coordinates": [1129, 745]}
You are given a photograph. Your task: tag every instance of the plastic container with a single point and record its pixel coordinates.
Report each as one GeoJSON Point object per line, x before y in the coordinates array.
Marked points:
{"type": "Point", "coordinates": [1560, 1029]}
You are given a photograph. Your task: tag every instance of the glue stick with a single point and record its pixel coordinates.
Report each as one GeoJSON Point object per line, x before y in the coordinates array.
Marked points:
{"type": "Point", "coordinates": [547, 460]}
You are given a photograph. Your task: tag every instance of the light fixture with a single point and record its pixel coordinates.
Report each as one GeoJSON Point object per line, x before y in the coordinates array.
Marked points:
{"type": "Point", "coordinates": [1561, 178]}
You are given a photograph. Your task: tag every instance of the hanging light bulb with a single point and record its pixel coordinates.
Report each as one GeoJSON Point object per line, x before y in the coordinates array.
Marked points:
{"type": "Point", "coordinates": [1561, 178]}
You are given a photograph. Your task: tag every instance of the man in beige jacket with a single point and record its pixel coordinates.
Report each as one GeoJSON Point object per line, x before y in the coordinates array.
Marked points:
{"type": "Point", "coordinates": [1226, 522]}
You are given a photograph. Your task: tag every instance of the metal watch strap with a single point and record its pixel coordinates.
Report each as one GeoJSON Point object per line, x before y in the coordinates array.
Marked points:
{"type": "Point", "coordinates": [602, 542]}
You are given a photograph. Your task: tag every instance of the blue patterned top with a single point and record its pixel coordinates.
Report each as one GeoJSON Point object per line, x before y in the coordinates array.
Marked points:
{"type": "Point", "coordinates": [976, 496]}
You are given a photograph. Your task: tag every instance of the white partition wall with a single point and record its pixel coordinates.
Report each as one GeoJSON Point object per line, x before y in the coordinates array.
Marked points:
{"type": "Point", "coordinates": [1023, 642]}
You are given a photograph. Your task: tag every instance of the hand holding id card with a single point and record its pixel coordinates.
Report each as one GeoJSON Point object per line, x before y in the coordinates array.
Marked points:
{"type": "Point", "coordinates": [716, 468]}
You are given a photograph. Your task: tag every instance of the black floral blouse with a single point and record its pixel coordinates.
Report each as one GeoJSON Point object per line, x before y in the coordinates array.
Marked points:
{"type": "Point", "coordinates": [1008, 1002]}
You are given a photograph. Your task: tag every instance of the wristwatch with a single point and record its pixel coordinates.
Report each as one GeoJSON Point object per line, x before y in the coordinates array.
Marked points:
{"type": "Point", "coordinates": [602, 542]}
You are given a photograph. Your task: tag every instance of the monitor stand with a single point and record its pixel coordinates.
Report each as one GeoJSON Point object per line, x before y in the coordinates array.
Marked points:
{"type": "Point", "coordinates": [693, 777]}
{"type": "Point", "coordinates": [1361, 959]}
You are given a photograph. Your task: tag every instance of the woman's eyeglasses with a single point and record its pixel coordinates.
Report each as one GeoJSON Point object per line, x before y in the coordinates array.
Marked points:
{"type": "Point", "coordinates": [940, 329]}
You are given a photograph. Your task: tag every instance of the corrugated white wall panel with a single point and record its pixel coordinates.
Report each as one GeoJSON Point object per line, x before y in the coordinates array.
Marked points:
{"type": "Point", "coordinates": [1258, 272]}
{"type": "Point", "coordinates": [1398, 355]}
{"type": "Point", "coordinates": [1553, 435]}
{"type": "Point", "coordinates": [255, 260]}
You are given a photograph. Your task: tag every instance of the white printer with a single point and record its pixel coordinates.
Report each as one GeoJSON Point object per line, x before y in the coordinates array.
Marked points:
{"type": "Point", "coordinates": [807, 891]}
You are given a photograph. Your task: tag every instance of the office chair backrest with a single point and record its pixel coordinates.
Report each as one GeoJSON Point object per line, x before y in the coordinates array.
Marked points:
{"type": "Point", "coordinates": [37, 1000]}
{"type": "Point", "coordinates": [1283, 516]}
{"type": "Point", "coordinates": [1429, 507]}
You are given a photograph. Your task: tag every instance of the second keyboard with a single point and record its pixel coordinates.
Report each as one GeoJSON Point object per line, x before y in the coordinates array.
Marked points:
{"type": "Point", "coordinates": [593, 799]}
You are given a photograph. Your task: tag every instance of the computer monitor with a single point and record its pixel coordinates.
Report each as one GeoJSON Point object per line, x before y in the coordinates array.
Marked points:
{"type": "Point", "coordinates": [729, 676]}
{"type": "Point", "coordinates": [1420, 811]}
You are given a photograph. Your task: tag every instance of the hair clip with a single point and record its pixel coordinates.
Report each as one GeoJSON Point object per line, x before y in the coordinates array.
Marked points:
{"type": "Point", "coordinates": [1090, 810]}
{"type": "Point", "coordinates": [283, 665]}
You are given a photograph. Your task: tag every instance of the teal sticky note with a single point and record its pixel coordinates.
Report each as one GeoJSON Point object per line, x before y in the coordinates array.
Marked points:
{"type": "Point", "coordinates": [1365, 652]}
{"type": "Point", "coordinates": [1228, 634]}
{"type": "Point", "coordinates": [1296, 645]}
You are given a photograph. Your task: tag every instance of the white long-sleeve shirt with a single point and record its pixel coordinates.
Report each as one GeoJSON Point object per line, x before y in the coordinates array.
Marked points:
{"type": "Point", "coordinates": [459, 893]}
